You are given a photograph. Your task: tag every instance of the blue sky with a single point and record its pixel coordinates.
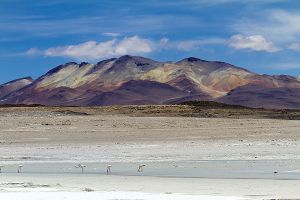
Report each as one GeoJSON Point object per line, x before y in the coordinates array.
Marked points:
{"type": "Point", "coordinates": [37, 35]}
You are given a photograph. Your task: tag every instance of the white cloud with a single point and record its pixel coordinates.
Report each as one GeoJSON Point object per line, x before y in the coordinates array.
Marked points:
{"type": "Point", "coordinates": [135, 45]}
{"type": "Point", "coordinates": [253, 42]}
{"type": "Point", "coordinates": [294, 46]}
{"type": "Point", "coordinates": [32, 51]}
{"type": "Point", "coordinates": [278, 25]}
{"type": "Point", "coordinates": [110, 34]}
{"type": "Point", "coordinates": [93, 50]}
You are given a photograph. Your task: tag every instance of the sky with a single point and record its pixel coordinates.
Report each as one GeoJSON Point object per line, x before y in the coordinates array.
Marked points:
{"type": "Point", "coordinates": [262, 36]}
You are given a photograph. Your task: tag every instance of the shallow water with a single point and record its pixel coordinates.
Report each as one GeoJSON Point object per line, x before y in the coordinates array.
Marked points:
{"type": "Point", "coordinates": [234, 169]}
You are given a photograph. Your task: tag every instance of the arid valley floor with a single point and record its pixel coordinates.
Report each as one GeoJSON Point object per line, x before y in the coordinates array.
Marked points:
{"type": "Point", "coordinates": [189, 152]}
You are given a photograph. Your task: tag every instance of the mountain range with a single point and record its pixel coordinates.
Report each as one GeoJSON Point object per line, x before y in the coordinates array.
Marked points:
{"type": "Point", "coordinates": [136, 80]}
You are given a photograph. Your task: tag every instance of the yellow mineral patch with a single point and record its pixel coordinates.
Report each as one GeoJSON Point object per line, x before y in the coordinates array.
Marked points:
{"type": "Point", "coordinates": [71, 76]}
{"type": "Point", "coordinates": [52, 80]}
{"type": "Point", "coordinates": [164, 73]}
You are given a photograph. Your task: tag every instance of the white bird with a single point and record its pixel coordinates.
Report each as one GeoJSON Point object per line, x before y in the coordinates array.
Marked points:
{"type": "Point", "coordinates": [81, 166]}
{"type": "Point", "coordinates": [20, 169]}
{"type": "Point", "coordinates": [141, 168]}
{"type": "Point", "coordinates": [108, 169]}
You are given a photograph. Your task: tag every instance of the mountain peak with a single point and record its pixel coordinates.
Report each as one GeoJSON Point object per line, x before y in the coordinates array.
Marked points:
{"type": "Point", "coordinates": [28, 78]}
{"type": "Point", "coordinates": [127, 58]}
{"type": "Point", "coordinates": [14, 85]}
{"type": "Point", "coordinates": [129, 67]}
{"type": "Point", "coordinates": [59, 67]}
{"type": "Point", "coordinates": [192, 59]}
{"type": "Point", "coordinates": [83, 64]}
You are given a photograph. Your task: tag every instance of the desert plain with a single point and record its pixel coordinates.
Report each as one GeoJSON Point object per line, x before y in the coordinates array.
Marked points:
{"type": "Point", "coordinates": [188, 153]}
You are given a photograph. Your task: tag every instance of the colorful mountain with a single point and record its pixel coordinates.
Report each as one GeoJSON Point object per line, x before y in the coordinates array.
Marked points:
{"type": "Point", "coordinates": [137, 80]}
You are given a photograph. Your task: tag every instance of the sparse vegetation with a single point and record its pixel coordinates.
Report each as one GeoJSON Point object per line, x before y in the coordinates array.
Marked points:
{"type": "Point", "coordinates": [202, 109]}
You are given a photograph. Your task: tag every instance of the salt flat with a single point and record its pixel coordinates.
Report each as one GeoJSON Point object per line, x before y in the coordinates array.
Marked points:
{"type": "Point", "coordinates": [142, 186]}
{"type": "Point", "coordinates": [250, 158]}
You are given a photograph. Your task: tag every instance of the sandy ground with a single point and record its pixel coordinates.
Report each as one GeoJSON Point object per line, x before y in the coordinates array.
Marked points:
{"type": "Point", "coordinates": [237, 158]}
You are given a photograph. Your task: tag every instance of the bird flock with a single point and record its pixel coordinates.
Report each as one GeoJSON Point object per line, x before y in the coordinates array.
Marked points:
{"type": "Point", "coordinates": [82, 167]}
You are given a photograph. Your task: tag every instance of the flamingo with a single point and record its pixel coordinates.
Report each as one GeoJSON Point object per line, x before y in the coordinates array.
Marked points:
{"type": "Point", "coordinates": [108, 171]}
{"type": "Point", "coordinates": [82, 167]}
{"type": "Point", "coordinates": [141, 168]}
{"type": "Point", "coordinates": [20, 169]}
